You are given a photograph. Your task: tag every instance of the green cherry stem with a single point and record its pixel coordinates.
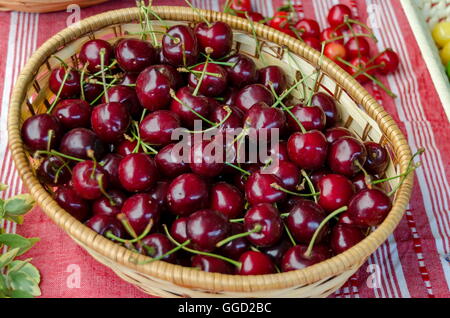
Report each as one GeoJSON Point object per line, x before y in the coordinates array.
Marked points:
{"type": "Point", "coordinates": [83, 72]}
{"type": "Point", "coordinates": [66, 76]}
{"type": "Point", "coordinates": [174, 250]}
{"type": "Point", "coordinates": [202, 76]}
{"type": "Point", "coordinates": [174, 96]}
{"type": "Point", "coordinates": [198, 13]}
{"type": "Point", "coordinates": [102, 93]}
{"type": "Point", "coordinates": [137, 239]}
{"type": "Point", "coordinates": [256, 229]}
{"type": "Point", "coordinates": [280, 188]}
{"type": "Point", "coordinates": [106, 68]}
{"type": "Point", "coordinates": [229, 112]}
{"type": "Point", "coordinates": [310, 183]}
{"type": "Point", "coordinates": [57, 153]}
{"type": "Point", "coordinates": [238, 168]}
{"type": "Point", "coordinates": [288, 91]}
{"type": "Point", "coordinates": [102, 68]}
{"type": "Point", "coordinates": [61, 61]}
{"type": "Point", "coordinates": [126, 224]}
{"type": "Point", "coordinates": [289, 234]}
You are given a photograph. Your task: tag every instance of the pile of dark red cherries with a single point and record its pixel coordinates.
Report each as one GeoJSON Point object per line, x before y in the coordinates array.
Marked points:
{"type": "Point", "coordinates": [107, 157]}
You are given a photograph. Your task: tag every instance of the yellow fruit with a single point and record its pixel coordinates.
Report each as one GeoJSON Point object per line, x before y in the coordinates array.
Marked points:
{"type": "Point", "coordinates": [445, 54]}
{"type": "Point", "coordinates": [441, 33]}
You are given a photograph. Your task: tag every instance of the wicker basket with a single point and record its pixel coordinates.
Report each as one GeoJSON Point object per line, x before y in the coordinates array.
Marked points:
{"type": "Point", "coordinates": [44, 5]}
{"type": "Point", "coordinates": [360, 112]}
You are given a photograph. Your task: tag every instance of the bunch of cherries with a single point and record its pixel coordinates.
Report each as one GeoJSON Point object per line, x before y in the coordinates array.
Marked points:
{"type": "Point", "coordinates": [104, 149]}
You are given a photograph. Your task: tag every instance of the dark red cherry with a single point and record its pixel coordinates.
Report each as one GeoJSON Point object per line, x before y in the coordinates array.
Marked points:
{"type": "Point", "coordinates": [369, 207]}
{"type": "Point", "coordinates": [335, 133]}
{"type": "Point", "coordinates": [105, 206]}
{"type": "Point", "coordinates": [137, 172]}
{"type": "Point", "coordinates": [77, 142]}
{"type": "Point", "coordinates": [262, 117]}
{"type": "Point", "coordinates": [180, 46]}
{"type": "Point", "coordinates": [156, 245]}
{"type": "Point", "coordinates": [377, 158]}
{"type": "Point", "coordinates": [126, 96]}
{"type": "Point", "coordinates": [338, 15]}
{"type": "Point", "coordinates": [287, 172]}
{"type": "Point", "coordinates": [273, 76]}
{"type": "Point", "coordinates": [110, 121]}
{"type": "Point", "coordinates": [255, 16]}
{"type": "Point", "coordinates": [312, 118]}
{"type": "Point", "coordinates": [360, 182]}
{"type": "Point", "coordinates": [314, 43]}
{"type": "Point", "coordinates": [360, 64]}
{"type": "Point", "coordinates": [171, 164]}
{"type": "Point", "coordinates": [110, 163]}
{"type": "Point", "coordinates": [159, 194]}
{"type": "Point", "coordinates": [256, 263]}
{"type": "Point", "coordinates": [239, 180]}
{"type": "Point", "coordinates": [103, 224]}
{"type": "Point", "coordinates": [279, 151]}
{"type": "Point", "coordinates": [211, 264]}
{"type": "Point", "coordinates": [126, 147]}
{"type": "Point", "coordinates": [42, 131]}
{"type": "Point", "coordinates": [53, 171]}
{"type": "Point", "coordinates": [243, 72]}
{"type": "Point", "coordinates": [235, 248]}
{"type": "Point", "coordinates": [212, 85]}
{"type": "Point", "coordinates": [129, 79]}
{"type": "Point", "coordinates": [277, 251]}
{"type": "Point", "coordinates": [153, 87]}
{"type": "Point", "coordinates": [308, 28]}
{"type": "Point", "coordinates": [389, 62]}
{"type": "Point", "coordinates": [205, 228]}
{"type": "Point", "coordinates": [296, 258]}
{"type": "Point", "coordinates": [72, 85]}
{"type": "Point", "coordinates": [90, 54]}
{"type": "Point", "coordinates": [73, 113]}
{"type": "Point", "coordinates": [260, 188]}
{"type": "Point", "coordinates": [343, 155]}
{"type": "Point", "coordinates": [344, 237]}
{"type": "Point", "coordinates": [190, 103]}
{"type": "Point", "coordinates": [331, 34]}
{"type": "Point", "coordinates": [205, 160]}
{"type": "Point", "coordinates": [328, 105]}
{"type": "Point", "coordinates": [178, 230]}
{"type": "Point", "coordinates": [267, 217]}
{"type": "Point", "coordinates": [335, 190]}
{"type": "Point", "coordinates": [69, 200]}
{"type": "Point", "coordinates": [357, 47]}
{"type": "Point", "coordinates": [234, 121]}
{"type": "Point", "coordinates": [92, 91]}
{"type": "Point", "coordinates": [89, 180]}
{"type": "Point", "coordinates": [316, 175]}
{"type": "Point", "coordinates": [226, 199]}
{"type": "Point", "coordinates": [134, 55]}
{"type": "Point", "coordinates": [304, 219]}
{"type": "Point", "coordinates": [187, 193]}
{"type": "Point", "coordinates": [218, 37]}
{"type": "Point", "coordinates": [308, 150]}
{"type": "Point", "coordinates": [157, 127]}
{"type": "Point", "coordinates": [344, 218]}
{"type": "Point", "coordinates": [252, 94]}
{"type": "Point", "coordinates": [139, 209]}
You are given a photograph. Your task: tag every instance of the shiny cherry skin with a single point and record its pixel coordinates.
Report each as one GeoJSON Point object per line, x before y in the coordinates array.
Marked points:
{"type": "Point", "coordinates": [328, 104]}
{"type": "Point", "coordinates": [129, 78]}
{"type": "Point", "coordinates": [361, 182]}
{"type": "Point", "coordinates": [157, 127]}
{"type": "Point", "coordinates": [199, 104]}
{"type": "Point", "coordinates": [103, 224]}
{"type": "Point", "coordinates": [212, 85]}
{"type": "Point", "coordinates": [273, 76]}
{"type": "Point", "coordinates": [181, 48]}
{"type": "Point", "coordinates": [110, 121]}
{"type": "Point", "coordinates": [241, 6]}
{"type": "Point", "coordinates": [304, 219]}
{"type": "Point", "coordinates": [134, 55]}
{"type": "Point", "coordinates": [263, 117]}
{"type": "Point", "coordinates": [280, 21]}
{"type": "Point", "coordinates": [126, 96]}
{"type": "Point", "coordinates": [77, 142]}
{"type": "Point", "coordinates": [234, 121]}
{"type": "Point", "coordinates": [311, 117]}
{"type": "Point", "coordinates": [335, 133]}
{"type": "Point", "coordinates": [90, 54]}
{"type": "Point", "coordinates": [138, 172]}
{"type": "Point", "coordinates": [360, 64]}
{"type": "Point", "coordinates": [89, 180]}
{"type": "Point", "coordinates": [268, 218]}
{"type": "Point", "coordinates": [255, 263]}
{"type": "Point", "coordinates": [357, 46]}
{"type": "Point", "coordinates": [156, 245]}
{"type": "Point", "coordinates": [343, 155]}
{"type": "Point", "coordinates": [308, 28]}
{"type": "Point", "coordinates": [37, 129]}
{"type": "Point", "coordinates": [279, 151]}
{"type": "Point", "coordinates": [211, 264]}
{"type": "Point", "coordinates": [169, 163]}
{"type": "Point", "coordinates": [235, 248]}
{"type": "Point", "coordinates": [206, 228]}
{"type": "Point", "coordinates": [259, 189]}
{"type": "Point", "coordinates": [369, 207]}
{"type": "Point", "coordinates": [338, 14]}
{"type": "Point", "coordinates": [92, 91]}
{"type": "Point", "coordinates": [69, 200]}
{"type": "Point", "coordinates": [389, 62]}
{"type": "Point", "coordinates": [336, 191]}
{"type": "Point", "coordinates": [226, 199]}
{"type": "Point", "coordinates": [316, 175]}
{"type": "Point", "coordinates": [187, 193]}
{"type": "Point", "coordinates": [308, 150]}
{"type": "Point", "coordinates": [126, 147]}
{"type": "Point", "coordinates": [255, 16]}
{"type": "Point", "coordinates": [103, 206]}
{"type": "Point", "coordinates": [243, 72]}
{"type": "Point", "coordinates": [330, 34]}
{"type": "Point", "coordinates": [110, 163]}
{"type": "Point", "coordinates": [277, 251]}
{"type": "Point", "coordinates": [218, 37]}
{"type": "Point", "coordinates": [239, 180]}
{"type": "Point", "coordinates": [139, 209]}
{"type": "Point", "coordinates": [159, 194]}
{"type": "Point", "coordinates": [73, 113]}
{"type": "Point", "coordinates": [377, 158]}
{"type": "Point", "coordinates": [344, 218]}
{"type": "Point", "coordinates": [252, 94]}
{"type": "Point", "coordinates": [296, 258]}
{"type": "Point", "coordinates": [335, 51]}
{"type": "Point", "coordinates": [71, 87]}
{"type": "Point", "coordinates": [344, 237]}
{"type": "Point", "coordinates": [314, 43]}
{"type": "Point", "coordinates": [287, 172]}
{"type": "Point", "coordinates": [204, 160]}
{"type": "Point", "coordinates": [153, 88]}
{"type": "Point", "coordinates": [53, 171]}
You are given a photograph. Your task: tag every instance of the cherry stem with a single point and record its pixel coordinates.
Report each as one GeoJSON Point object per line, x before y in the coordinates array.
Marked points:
{"type": "Point", "coordinates": [229, 112]}
{"type": "Point", "coordinates": [147, 230]}
{"type": "Point", "coordinates": [55, 101]}
{"type": "Point", "coordinates": [288, 91]}
{"type": "Point", "coordinates": [126, 224]}
{"type": "Point", "coordinates": [202, 76]}
{"type": "Point", "coordinates": [140, 142]}
{"type": "Point", "coordinates": [255, 37]}
{"type": "Point", "coordinates": [356, 35]}
{"type": "Point", "coordinates": [60, 169]}
{"type": "Point", "coordinates": [238, 168]}
{"type": "Point", "coordinates": [102, 93]}
{"type": "Point", "coordinates": [61, 61]}
{"type": "Point", "coordinates": [309, 101]}
{"type": "Point", "coordinates": [321, 225]}
{"type": "Point", "coordinates": [310, 183]}
{"type": "Point", "coordinates": [174, 96]}
{"type": "Point", "coordinates": [102, 67]}
{"type": "Point", "coordinates": [289, 234]}
{"type": "Point", "coordinates": [106, 68]}
{"type": "Point", "coordinates": [212, 62]}
{"type": "Point", "coordinates": [83, 71]}
{"type": "Point", "coordinates": [57, 153]}
{"type": "Point", "coordinates": [197, 11]}
{"type": "Point", "coordinates": [411, 167]}
{"type": "Point", "coordinates": [236, 220]}
{"type": "Point", "coordinates": [235, 263]}
{"type": "Point", "coordinates": [256, 229]}
{"type": "Point", "coordinates": [280, 188]}
{"type": "Point", "coordinates": [175, 249]}
{"type": "Point", "coordinates": [187, 70]}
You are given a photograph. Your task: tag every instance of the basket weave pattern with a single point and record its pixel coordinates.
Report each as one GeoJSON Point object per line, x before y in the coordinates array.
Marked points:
{"type": "Point", "coordinates": [359, 110]}
{"type": "Point", "coordinates": [44, 5]}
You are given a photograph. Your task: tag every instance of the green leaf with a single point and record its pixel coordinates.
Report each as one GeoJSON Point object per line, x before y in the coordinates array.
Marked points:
{"type": "Point", "coordinates": [18, 205]}
{"type": "Point", "coordinates": [2, 282]}
{"type": "Point", "coordinates": [2, 210]}
{"type": "Point", "coordinates": [20, 294]}
{"type": "Point", "coordinates": [7, 258]}
{"type": "Point", "coordinates": [3, 186]}
{"type": "Point", "coordinates": [15, 218]}
{"type": "Point", "coordinates": [26, 268]}
{"type": "Point", "coordinates": [20, 281]}
{"type": "Point", "coordinates": [15, 240]}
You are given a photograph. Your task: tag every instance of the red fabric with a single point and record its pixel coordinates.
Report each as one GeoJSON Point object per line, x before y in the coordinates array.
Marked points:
{"type": "Point", "coordinates": [411, 263]}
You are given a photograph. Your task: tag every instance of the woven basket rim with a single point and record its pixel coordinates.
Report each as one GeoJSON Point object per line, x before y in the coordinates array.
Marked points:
{"type": "Point", "coordinates": [185, 276]}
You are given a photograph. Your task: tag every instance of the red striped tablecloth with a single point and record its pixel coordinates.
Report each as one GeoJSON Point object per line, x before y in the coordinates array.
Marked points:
{"type": "Point", "coordinates": [414, 262]}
